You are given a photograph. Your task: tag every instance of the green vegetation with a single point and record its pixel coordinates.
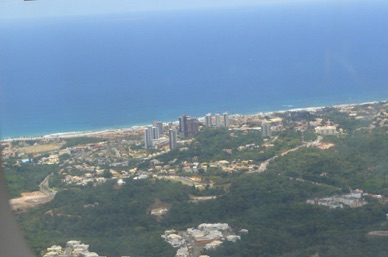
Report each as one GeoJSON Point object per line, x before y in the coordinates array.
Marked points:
{"type": "Point", "coordinates": [25, 142]}
{"type": "Point", "coordinates": [349, 124]}
{"type": "Point", "coordinates": [74, 141]}
{"type": "Point", "coordinates": [357, 161]}
{"type": "Point", "coordinates": [117, 217]}
{"type": "Point", "coordinates": [280, 223]}
{"type": "Point", "coordinates": [272, 207]}
{"type": "Point", "coordinates": [211, 144]}
{"type": "Point", "coordinates": [26, 177]}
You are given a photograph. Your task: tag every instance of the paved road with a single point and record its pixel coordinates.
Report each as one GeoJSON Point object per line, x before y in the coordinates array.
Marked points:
{"type": "Point", "coordinates": [263, 165]}
{"type": "Point", "coordinates": [44, 187]}
{"type": "Point", "coordinates": [197, 249]}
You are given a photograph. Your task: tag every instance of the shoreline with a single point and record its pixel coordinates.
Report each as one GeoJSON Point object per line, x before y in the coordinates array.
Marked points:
{"type": "Point", "coordinates": [72, 134]}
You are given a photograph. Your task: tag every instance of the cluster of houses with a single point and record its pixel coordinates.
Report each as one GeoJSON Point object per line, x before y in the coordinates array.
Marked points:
{"type": "Point", "coordinates": [224, 165]}
{"type": "Point", "coordinates": [212, 235]}
{"type": "Point", "coordinates": [73, 249]}
{"type": "Point", "coordinates": [50, 160]}
{"type": "Point", "coordinates": [354, 199]}
{"type": "Point", "coordinates": [233, 166]}
{"type": "Point", "coordinates": [205, 236]}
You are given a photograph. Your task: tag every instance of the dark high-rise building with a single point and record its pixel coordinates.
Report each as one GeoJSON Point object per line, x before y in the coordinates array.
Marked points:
{"type": "Point", "coordinates": [183, 124]}
{"type": "Point", "coordinates": [155, 133]}
{"type": "Point", "coordinates": [226, 120]}
{"type": "Point", "coordinates": [188, 126]}
{"type": "Point", "coordinates": [192, 127]}
{"type": "Point", "coordinates": [172, 136]}
{"type": "Point", "coordinates": [159, 125]}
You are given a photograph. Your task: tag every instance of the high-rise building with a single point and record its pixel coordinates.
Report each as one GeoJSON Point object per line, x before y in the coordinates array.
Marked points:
{"type": "Point", "coordinates": [208, 120]}
{"type": "Point", "coordinates": [159, 125]}
{"type": "Point", "coordinates": [172, 136]}
{"type": "Point", "coordinates": [218, 120]}
{"type": "Point", "coordinates": [265, 129]}
{"type": "Point", "coordinates": [155, 133]}
{"type": "Point", "coordinates": [148, 138]}
{"type": "Point", "coordinates": [226, 120]}
{"type": "Point", "coordinates": [192, 126]}
{"type": "Point", "coordinates": [183, 124]}
{"type": "Point", "coordinates": [188, 126]}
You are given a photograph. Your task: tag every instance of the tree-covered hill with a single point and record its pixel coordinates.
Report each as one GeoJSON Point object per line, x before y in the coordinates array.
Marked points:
{"type": "Point", "coordinates": [113, 221]}
{"type": "Point", "coordinates": [358, 160]}
{"type": "Point", "coordinates": [272, 207]}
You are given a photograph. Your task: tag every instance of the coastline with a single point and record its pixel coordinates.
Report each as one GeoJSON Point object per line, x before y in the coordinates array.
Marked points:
{"type": "Point", "coordinates": [90, 133]}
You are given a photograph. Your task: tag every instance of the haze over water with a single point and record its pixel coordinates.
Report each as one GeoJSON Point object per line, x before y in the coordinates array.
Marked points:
{"type": "Point", "coordinates": [80, 73]}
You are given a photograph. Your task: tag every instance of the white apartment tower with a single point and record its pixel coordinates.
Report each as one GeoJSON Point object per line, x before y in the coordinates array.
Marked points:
{"type": "Point", "coordinates": [148, 138]}
{"type": "Point", "coordinates": [208, 120]}
{"type": "Point", "coordinates": [218, 120]}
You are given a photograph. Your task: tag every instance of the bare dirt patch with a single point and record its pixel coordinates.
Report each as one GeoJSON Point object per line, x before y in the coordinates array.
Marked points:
{"type": "Point", "coordinates": [378, 233]}
{"type": "Point", "coordinates": [30, 199]}
{"type": "Point", "coordinates": [159, 208]}
{"type": "Point", "coordinates": [58, 214]}
{"type": "Point", "coordinates": [325, 146]}
{"type": "Point", "coordinates": [202, 198]}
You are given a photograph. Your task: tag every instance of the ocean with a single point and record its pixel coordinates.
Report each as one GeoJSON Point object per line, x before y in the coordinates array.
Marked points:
{"type": "Point", "coordinates": [90, 73]}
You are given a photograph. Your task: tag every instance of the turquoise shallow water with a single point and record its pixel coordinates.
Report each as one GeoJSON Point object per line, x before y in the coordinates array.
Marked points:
{"type": "Point", "coordinates": [78, 74]}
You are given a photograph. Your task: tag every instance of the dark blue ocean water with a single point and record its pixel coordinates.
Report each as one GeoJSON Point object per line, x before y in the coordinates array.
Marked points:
{"type": "Point", "coordinates": [97, 72]}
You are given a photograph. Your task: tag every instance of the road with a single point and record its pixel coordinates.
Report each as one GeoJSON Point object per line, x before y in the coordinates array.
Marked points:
{"type": "Point", "coordinates": [190, 242]}
{"type": "Point", "coordinates": [32, 199]}
{"type": "Point", "coordinates": [44, 187]}
{"type": "Point", "coordinates": [68, 251]}
{"type": "Point", "coordinates": [263, 165]}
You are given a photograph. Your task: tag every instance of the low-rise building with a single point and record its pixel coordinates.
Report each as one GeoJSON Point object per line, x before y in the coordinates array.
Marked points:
{"type": "Point", "coordinates": [182, 252]}
{"type": "Point", "coordinates": [326, 130]}
{"type": "Point", "coordinates": [174, 239]}
{"type": "Point", "coordinates": [213, 245]}
{"type": "Point", "coordinates": [353, 200]}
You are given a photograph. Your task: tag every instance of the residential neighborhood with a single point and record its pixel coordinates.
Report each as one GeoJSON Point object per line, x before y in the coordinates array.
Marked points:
{"type": "Point", "coordinates": [193, 241]}
{"type": "Point", "coordinates": [73, 248]}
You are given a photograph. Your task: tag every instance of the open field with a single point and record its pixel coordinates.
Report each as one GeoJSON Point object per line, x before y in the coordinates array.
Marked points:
{"type": "Point", "coordinates": [40, 148]}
